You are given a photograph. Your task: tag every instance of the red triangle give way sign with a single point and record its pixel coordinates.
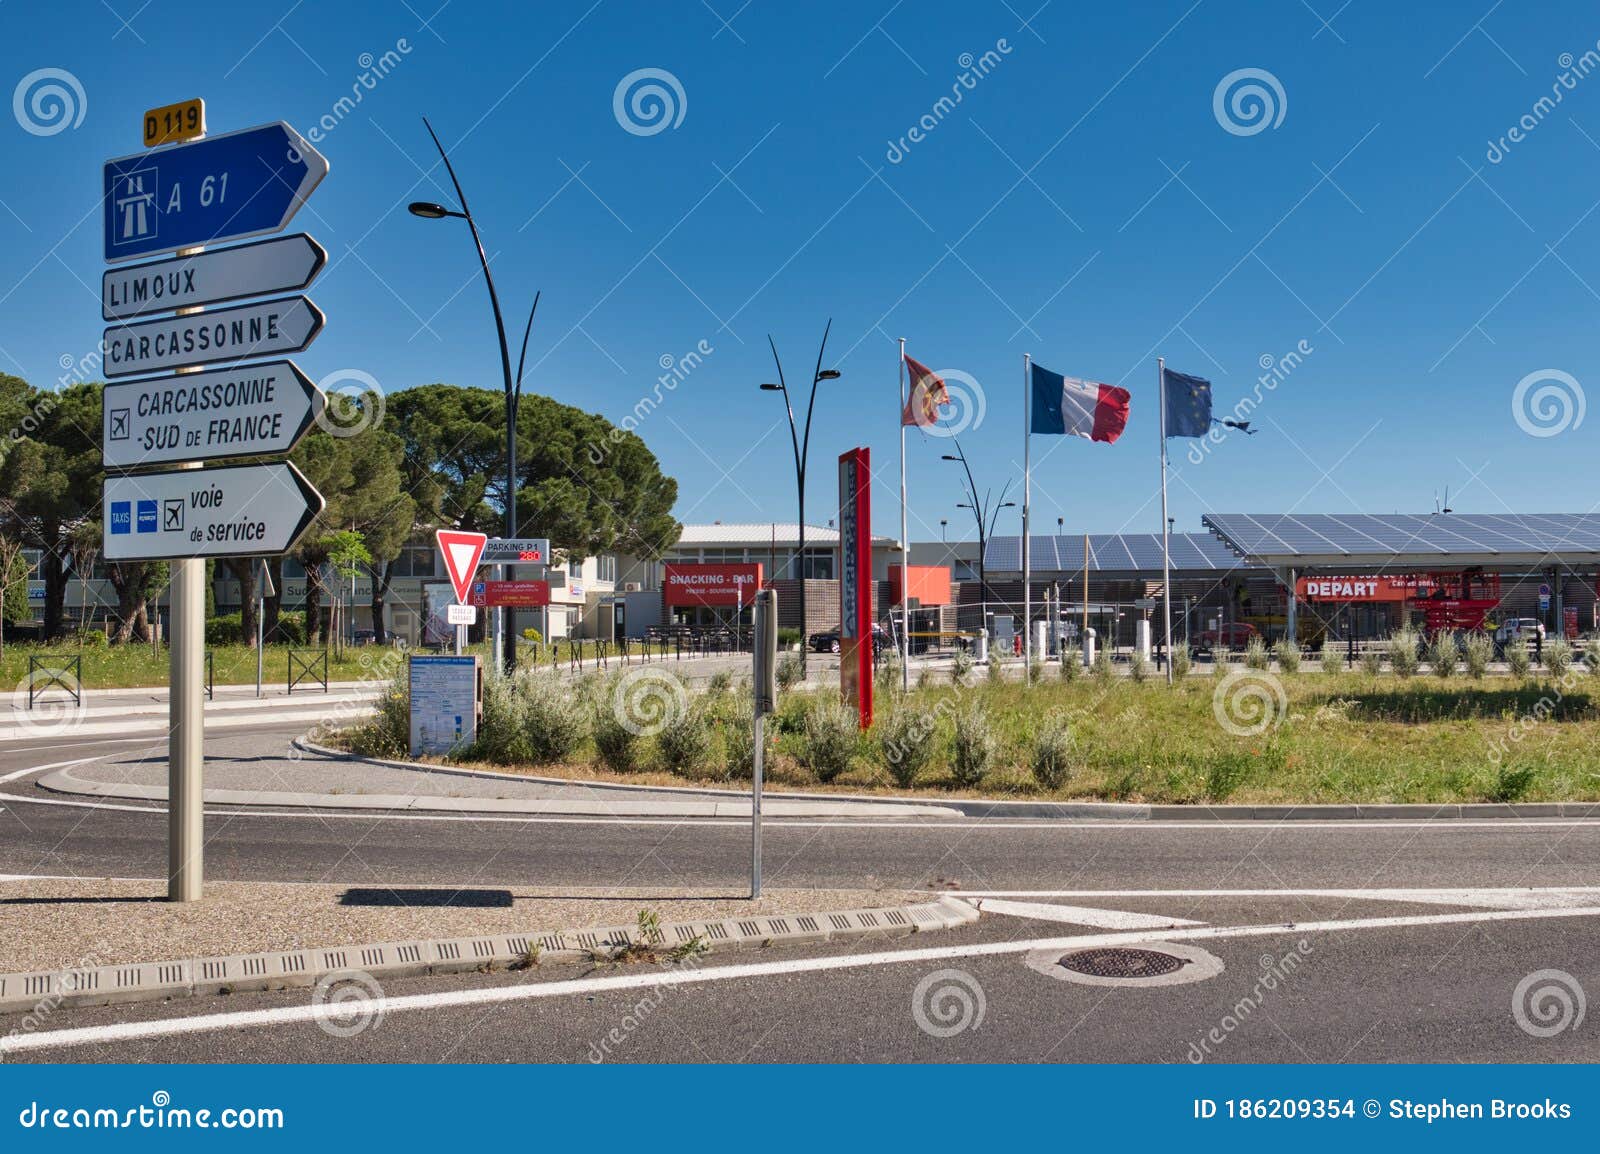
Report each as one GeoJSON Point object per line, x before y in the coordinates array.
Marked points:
{"type": "Point", "coordinates": [461, 552]}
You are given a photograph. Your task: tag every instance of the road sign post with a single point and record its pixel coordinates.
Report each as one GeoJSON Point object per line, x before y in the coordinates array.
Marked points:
{"type": "Point", "coordinates": [462, 554]}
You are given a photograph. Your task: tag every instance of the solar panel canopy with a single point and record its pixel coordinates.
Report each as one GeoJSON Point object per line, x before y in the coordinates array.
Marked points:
{"type": "Point", "coordinates": [1111, 553]}
{"type": "Point", "coordinates": [1304, 540]}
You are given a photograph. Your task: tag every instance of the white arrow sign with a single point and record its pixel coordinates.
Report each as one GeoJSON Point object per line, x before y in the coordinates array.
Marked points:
{"type": "Point", "coordinates": [245, 411]}
{"type": "Point", "coordinates": [231, 511]}
{"type": "Point", "coordinates": [266, 266]}
{"type": "Point", "coordinates": [284, 325]}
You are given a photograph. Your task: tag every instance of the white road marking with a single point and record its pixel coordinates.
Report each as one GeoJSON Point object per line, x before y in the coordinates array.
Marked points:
{"type": "Point", "coordinates": [1521, 898]}
{"type": "Point", "coordinates": [21, 773]}
{"type": "Point", "coordinates": [1442, 825]}
{"type": "Point", "coordinates": [650, 979]}
{"type": "Point", "coordinates": [1080, 915]}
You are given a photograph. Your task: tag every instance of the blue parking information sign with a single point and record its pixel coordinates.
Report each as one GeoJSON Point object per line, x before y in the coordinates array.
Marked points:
{"type": "Point", "coordinates": [221, 188]}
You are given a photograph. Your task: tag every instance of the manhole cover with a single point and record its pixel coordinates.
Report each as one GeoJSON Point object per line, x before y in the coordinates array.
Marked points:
{"type": "Point", "coordinates": [1118, 962]}
{"type": "Point", "coordinates": [1142, 966]}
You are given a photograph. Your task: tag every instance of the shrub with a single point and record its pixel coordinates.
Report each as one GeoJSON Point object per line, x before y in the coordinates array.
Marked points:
{"type": "Point", "coordinates": [1477, 649]}
{"type": "Point", "coordinates": [1518, 659]}
{"type": "Point", "coordinates": [1442, 653]}
{"type": "Point", "coordinates": [1330, 657]}
{"type": "Point", "coordinates": [974, 746]}
{"type": "Point", "coordinates": [502, 732]}
{"type": "Point", "coordinates": [1510, 784]}
{"type": "Point", "coordinates": [1138, 666]}
{"type": "Point", "coordinates": [1255, 654]}
{"type": "Point", "coordinates": [721, 681]}
{"type": "Point", "coordinates": [226, 629]}
{"type": "Point", "coordinates": [739, 741]}
{"type": "Point", "coordinates": [617, 745]}
{"type": "Point", "coordinates": [1051, 753]}
{"type": "Point", "coordinates": [1036, 671]}
{"type": "Point", "coordinates": [1288, 655]}
{"type": "Point", "coordinates": [996, 668]}
{"type": "Point", "coordinates": [1591, 653]}
{"type": "Point", "coordinates": [788, 636]}
{"type": "Point", "coordinates": [924, 679]}
{"type": "Point", "coordinates": [1225, 776]}
{"type": "Point", "coordinates": [961, 667]}
{"type": "Point", "coordinates": [887, 675]}
{"type": "Point", "coordinates": [552, 717]}
{"type": "Point", "coordinates": [1557, 657]}
{"type": "Point", "coordinates": [1371, 660]}
{"type": "Point", "coordinates": [1104, 668]}
{"type": "Point", "coordinates": [684, 742]}
{"type": "Point", "coordinates": [387, 733]}
{"type": "Point", "coordinates": [1403, 652]}
{"type": "Point", "coordinates": [1182, 660]}
{"type": "Point", "coordinates": [832, 735]}
{"type": "Point", "coordinates": [789, 672]}
{"type": "Point", "coordinates": [905, 743]}
{"type": "Point", "coordinates": [1071, 665]}
{"type": "Point", "coordinates": [791, 714]}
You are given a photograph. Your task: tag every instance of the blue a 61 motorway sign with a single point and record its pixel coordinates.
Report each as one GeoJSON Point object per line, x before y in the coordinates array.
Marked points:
{"type": "Point", "coordinates": [222, 188]}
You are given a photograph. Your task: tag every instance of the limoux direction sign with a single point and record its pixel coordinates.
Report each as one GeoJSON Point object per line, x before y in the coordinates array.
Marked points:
{"type": "Point", "coordinates": [228, 511]}
{"type": "Point", "coordinates": [258, 329]}
{"type": "Point", "coordinates": [282, 264]}
{"type": "Point", "coordinates": [221, 188]}
{"type": "Point", "coordinates": [254, 410]}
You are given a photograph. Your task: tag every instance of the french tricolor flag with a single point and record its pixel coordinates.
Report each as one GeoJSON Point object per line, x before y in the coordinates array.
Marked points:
{"type": "Point", "coordinates": [1080, 408]}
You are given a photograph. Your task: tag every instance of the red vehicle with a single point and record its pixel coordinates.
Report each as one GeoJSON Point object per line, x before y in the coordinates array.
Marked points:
{"type": "Point", "coordinates": [1233, 635]}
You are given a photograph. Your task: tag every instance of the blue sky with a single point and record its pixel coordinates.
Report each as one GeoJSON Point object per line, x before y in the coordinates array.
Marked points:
{"type": "Point", "coordinates": [1083, 202]}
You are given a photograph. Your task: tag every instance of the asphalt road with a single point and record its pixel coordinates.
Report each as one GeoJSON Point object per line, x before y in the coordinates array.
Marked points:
{"type": "Point", "coordinates": [1366, 990]}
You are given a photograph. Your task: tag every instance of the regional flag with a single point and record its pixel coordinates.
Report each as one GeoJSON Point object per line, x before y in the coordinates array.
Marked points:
{"type": "Point", "coordinates": [1081, 408]}
{"type": "Point", "coordinates": [926, 396]}
{"type": "Point", "coordinates": [1188, 404]}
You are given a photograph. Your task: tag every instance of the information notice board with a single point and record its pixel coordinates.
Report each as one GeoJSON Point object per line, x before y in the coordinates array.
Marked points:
{"type": "Point", "coordinates": [446, 696]}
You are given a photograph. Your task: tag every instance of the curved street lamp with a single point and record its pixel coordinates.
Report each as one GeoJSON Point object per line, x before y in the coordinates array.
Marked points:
{"type": "Point", "coordinates": [802, 446]}
{"type": "Point", "coordinates": [427, 210]}
{"type": "Point", "coordinates": [986, 519]}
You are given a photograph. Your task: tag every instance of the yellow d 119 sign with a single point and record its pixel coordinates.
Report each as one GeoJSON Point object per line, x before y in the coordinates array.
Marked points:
{"type": "Point", "coordinates": [174, 122]}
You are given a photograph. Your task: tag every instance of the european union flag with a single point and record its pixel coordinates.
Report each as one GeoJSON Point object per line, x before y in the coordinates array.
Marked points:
{"type": "Point", "coordinates": [1188, 404]}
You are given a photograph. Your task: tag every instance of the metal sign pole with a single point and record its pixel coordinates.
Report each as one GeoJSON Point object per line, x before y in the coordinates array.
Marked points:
{"type": "Point", "coordinates": [764, 662]}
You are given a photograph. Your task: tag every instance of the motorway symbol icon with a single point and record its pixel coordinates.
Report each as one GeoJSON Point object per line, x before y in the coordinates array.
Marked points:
{"type": "Point", "coordinates": [282, 264]}
{"type": "Point", "coordinates": [253, 410]}
{"type": "Point", "coordinates": [228, 511]}
{"type": "Point", "coordinates": [222, 188]}
{"type": "Point", "coordinates": [258, 329]}
{"type": "Point", "coordinates": [461, 554]}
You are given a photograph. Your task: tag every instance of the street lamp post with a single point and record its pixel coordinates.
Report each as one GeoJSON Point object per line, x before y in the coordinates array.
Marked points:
{"type": "Point", "coordinates": [802, 446]}
{"type": "Point", "coordinates": [986, 520]}
{"type": "Point", "coordinates": [513, 386]}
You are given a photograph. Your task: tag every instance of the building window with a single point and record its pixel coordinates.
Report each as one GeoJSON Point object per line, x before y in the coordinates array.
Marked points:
{"type": "Point", "coordinates": [606, 568]}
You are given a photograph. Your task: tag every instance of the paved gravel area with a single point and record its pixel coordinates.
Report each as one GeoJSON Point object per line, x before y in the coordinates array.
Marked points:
{"type": "Point", "coordinates": [49, 923]}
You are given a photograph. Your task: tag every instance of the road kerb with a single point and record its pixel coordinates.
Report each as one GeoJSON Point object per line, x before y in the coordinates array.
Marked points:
{"type": "Point", "coordinates": [46, 990]}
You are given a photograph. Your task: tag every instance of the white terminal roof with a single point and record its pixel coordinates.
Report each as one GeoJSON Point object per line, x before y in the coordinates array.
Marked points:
{"type": "Point", "coordinates": [761, 534]}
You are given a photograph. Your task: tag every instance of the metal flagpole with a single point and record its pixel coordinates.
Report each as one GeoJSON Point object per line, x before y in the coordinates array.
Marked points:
{"type": "Point", "coordinates": [1027, 553]}
{"type": "Point", "coordinates": [905, 543]}
{"type": "Point", "coordinates": [1166, 564]}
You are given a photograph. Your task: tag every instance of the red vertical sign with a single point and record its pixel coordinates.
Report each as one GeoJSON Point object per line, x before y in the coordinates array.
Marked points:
{"type": "Point", "coordinates": [855, 581]}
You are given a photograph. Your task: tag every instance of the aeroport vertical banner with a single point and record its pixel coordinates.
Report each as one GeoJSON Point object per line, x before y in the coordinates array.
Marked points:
{"type": "Point", "coordinates": [855, 581]}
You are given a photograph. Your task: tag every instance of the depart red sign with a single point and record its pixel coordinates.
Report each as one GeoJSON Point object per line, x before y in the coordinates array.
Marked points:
{"type": "Point", "coordinates": [511, 594]}
{"type": "Point", "coordinates": [685, 585]}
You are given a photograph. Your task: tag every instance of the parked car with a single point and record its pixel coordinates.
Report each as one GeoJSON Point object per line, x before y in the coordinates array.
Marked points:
{"type": "Point", "coordinates": [828, 641]}
{"type": "Point", "coordinates": [1233, 635]}
{"type": "Point", "coordinates": [1529, 629]}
